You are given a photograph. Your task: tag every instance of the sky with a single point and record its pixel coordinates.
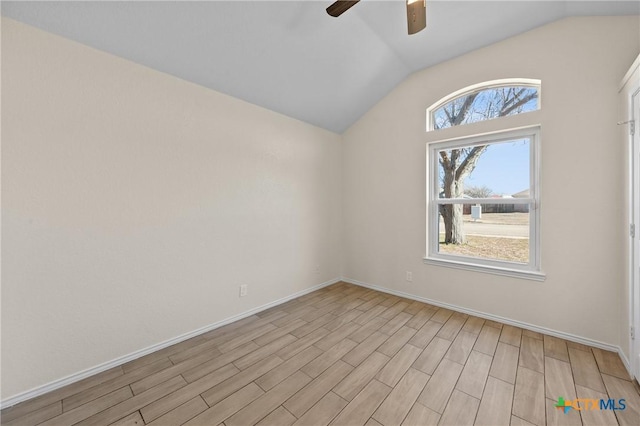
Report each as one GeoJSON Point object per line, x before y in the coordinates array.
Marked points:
{"type": "Point", "coordinates": [503, 167]}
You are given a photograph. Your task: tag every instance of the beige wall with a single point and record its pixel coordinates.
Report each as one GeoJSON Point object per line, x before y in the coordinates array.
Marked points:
{"type": "Point", "coordinates": [580, 62]}
{"type": "Point", "coordinates": [134, 204]}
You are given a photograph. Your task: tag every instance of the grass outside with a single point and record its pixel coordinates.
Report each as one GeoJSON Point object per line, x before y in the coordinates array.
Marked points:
{"type": "Point", "coordinates": [501, 248]}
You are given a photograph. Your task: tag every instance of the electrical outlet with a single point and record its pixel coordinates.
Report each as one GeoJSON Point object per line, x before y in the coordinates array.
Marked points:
{"type": "Point", "coordinates": [409, 276]}
{"type": "Point", "coordinates": [243, 290]}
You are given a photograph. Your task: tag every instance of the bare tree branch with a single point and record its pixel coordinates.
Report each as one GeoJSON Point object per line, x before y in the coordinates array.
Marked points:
{"type": "Point", "coordinates": [506, 111]}
{"type": "Point", "coordinates": [464, 109]}
{"type": "Point", "coordinates": [444, 159]}
{"type": "Point", "coordinates": [469, 163]}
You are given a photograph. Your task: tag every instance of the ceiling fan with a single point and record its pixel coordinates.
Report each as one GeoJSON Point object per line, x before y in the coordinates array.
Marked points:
{"type": "Point", "coordinates": [416, 13]}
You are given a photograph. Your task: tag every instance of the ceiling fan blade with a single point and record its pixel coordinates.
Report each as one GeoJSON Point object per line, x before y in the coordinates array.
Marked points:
{"type": "Point", "coordinates": [416, 15]}
{"type": "Point", "coordinates": [340, 7]}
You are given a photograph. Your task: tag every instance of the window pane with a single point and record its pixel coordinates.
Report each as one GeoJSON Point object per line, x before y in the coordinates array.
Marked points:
{"type": "Point", "coordinates": [489, 231]}
{"type": "Point", "coordinates": [497, 170]}
{"type": "Point", "coordinates": [486, 105]}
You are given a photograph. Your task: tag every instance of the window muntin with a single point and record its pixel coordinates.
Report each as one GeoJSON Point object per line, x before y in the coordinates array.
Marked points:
{"type": "Point", "coordinates": [485, 102]}
{"type": "Point", "coordinates": [507, 234]}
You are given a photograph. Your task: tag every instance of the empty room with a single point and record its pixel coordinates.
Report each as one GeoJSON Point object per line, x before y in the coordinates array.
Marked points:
{"type": "Point", "coordinates": [304, 212]}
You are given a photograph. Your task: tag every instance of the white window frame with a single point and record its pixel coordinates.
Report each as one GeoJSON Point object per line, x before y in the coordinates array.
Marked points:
{"type": "Point", "coordinates": [531, 270]}
{"type": "Point", "coordinates": [481, 87]}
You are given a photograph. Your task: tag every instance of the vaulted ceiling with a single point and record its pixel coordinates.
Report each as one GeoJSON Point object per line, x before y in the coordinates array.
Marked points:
{"type": "Point", "coordinates": [290, 56]}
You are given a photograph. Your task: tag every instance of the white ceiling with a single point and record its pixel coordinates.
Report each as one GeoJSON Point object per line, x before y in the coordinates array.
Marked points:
{"type": "Point", "coordinates": [290, 56]}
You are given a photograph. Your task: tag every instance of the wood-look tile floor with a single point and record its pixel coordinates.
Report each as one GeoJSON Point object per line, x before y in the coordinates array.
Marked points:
{"type": "Point", "coordinates": [346, 355]}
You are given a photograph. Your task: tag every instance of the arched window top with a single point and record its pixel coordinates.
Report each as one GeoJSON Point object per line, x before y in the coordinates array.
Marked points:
{"type": "Point", "coordinates": [484, 101]}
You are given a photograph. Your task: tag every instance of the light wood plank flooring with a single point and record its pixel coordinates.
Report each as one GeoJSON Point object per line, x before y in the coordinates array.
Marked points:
{"type": "Point", "coordinates": [346, 355]}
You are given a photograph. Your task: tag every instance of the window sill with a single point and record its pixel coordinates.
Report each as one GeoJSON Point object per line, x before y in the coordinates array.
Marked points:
{"type": "Point", "coordinates": [495, 270]}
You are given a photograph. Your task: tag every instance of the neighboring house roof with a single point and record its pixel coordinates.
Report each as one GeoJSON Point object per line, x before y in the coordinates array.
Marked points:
{"type": "Point", "coordinates": [522, 194]}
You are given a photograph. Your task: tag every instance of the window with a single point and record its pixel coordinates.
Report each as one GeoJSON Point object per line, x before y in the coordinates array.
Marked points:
{"type": "Point", "coordinates": [483, 192]}
{"type": "Point", "coordinates": [490, 100]}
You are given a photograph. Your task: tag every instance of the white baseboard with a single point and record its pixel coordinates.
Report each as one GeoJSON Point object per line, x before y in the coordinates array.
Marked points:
{"type": "Point", "coordinates": [625, 361]}
{"type": "Point", "coordinates": [503, 320]}
{"type": "Point", "coordinates": [57, 384]}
